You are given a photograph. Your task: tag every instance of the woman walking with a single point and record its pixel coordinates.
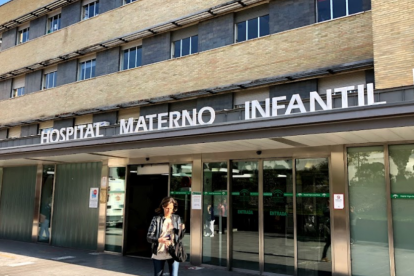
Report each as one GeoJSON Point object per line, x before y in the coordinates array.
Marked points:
{"type": "Point", "coordinates": [162, 232]}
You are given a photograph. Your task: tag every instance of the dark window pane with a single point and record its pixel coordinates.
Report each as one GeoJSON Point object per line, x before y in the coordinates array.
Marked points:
{"type": "Point", "coordinates": [49, 80]}
{"type": "Point", "coordinates": [93, 65]}
{"type": "Point", "coordinates": [96, 8]}
{"type": "Point", "coordinates": [241, 31]}
{"type": "Point", "coordinates": [88, 69]}
{"type": "Point", "coordinates": [186, 47]}
{"type": "Point", "coordinates": [132, 57]}
{"type": "Point", "coordinates": [139, 56]}
{"type": "Point", "coordinates": [125, 65]}
{"type": "Point", "coordinates": [83, 69]}
{"type": "Point", "coordinates": [194, 44]}
{"type": "Point", "coordinates": [177, 48]}
{"type": "Point", "coordinates": [253, 31]}
{"type": "Point", "coordinates": [324, 10]}
{"type": "Point", "coordinates": [339, 8]}
{"type": "Point", "coordinates": [264, 25]}
{"type": "Point", "coordinates": [354, 6]}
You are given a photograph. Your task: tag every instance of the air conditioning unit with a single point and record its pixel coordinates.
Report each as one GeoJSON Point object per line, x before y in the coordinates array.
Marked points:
{"type": "Point", "coordinates": [102, 124]}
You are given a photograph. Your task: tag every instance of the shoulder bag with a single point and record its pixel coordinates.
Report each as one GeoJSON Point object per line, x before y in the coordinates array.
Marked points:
{"type": "Point", "coordinates": [177, 251]}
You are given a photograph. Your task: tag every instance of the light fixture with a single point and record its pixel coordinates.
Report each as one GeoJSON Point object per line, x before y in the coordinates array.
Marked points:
{"type": "Point", "coordinates": [50, 172]}
{"type": "Point", "coordinates": [281, 175]}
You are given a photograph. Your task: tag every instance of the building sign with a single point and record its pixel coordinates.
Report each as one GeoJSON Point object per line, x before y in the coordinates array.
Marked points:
{"type": "Point", "coordinates": [207, 115]}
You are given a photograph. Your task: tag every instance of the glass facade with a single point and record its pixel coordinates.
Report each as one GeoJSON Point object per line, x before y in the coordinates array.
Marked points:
{"type": "Point", "coordinates": [402, 195]}
{"type": "Point", "coordinates": [115, 209]}
{"type": "Point", "coordinates": [278, 217]}
{"type": "Point", "coordinates": [368, 212]}
{"type": "Point", "coordinates": [313, 217]}
{"type": "Point", "coordinates": [46, 202]}
{"type": "Point", "coordinates": [215, 213]}
{"type": "Point", "coordinates": [245, 215]}
{"type": "Point", "coordinates": [180, 189]}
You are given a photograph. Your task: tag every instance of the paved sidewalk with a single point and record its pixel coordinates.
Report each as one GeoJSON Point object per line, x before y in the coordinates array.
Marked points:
{"type": "Point", "coordinates": [31, 259]}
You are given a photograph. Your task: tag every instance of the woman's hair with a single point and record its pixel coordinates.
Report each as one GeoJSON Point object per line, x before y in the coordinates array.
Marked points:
{"type": "Point", "coordinates": [164, 203]}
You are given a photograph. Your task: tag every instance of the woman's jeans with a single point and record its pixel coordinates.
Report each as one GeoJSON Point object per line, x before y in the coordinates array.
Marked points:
{"type": "Point", "coordinates": [159, 267]}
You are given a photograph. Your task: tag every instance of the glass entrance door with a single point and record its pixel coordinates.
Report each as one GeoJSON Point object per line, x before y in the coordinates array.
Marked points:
{"type": "Point", "coordinates": [313, 217]}
{"type": "Point", "coordinates": [278, 217]}
{"type": "Point", "coordinates": [245, 214]}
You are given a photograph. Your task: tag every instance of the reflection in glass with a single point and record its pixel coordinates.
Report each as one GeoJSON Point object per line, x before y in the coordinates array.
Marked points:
{"type": "Point", "coordinates": [180, 189]}
{"type": "Point", "coordinates": [185, 47]}
{"type": "Point", "coordinates": [115, 209]}
{"type": "Point", "coordinates": [402, 194]}
{"type": "Point", "coordinates": [368, 212]}
{"type": "Point", "coordinates": [355, 6]}
{"type": "Point", "coordinates": [339, 8]}
{"type": "Point", "coordinates": [253, 28]}
{"type": "Point", "coordinates": [264, 25]}
{"type": "Point", "coordinates": [215, 214]}
{"type": "Point", "coordinates": [245, 206]}
{"type": "Point", "coordinates": [241, 31]}
{"type": "Point", "coordinates": [324, 10]}
{"type": "Point", "coordinates": [278, 217]}
{"type": "Point", "coordinates": [46, 203]}
{"type": "Point", "coordinates": [313, 217]}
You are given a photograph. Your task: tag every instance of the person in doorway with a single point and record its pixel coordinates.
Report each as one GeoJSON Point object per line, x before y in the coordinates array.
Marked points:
{"type": "Point", "coordinates": [162, 232]}
{"type": "Point", "coordinates": [210, 219]}
{"type": "Point", "coordinates": [44, 220]}
{"type": "Point", "coordinates": [327, 232]}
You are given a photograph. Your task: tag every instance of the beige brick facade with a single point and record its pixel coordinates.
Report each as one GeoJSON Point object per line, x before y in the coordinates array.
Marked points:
{"type": "Point", "coordinates": [14, 9]}
{"type": "Point", "coordinates": [393, 29]}
{"type": "Point", "coordinates": [333, 42]}
{"type": "Point", "coordinates": [115, 23]}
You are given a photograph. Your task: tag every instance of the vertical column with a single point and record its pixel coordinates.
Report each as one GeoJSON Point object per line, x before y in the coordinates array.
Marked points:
{"type": "Point", "coordinates": [261, 222]}
{"type": "Point", "coordinates": [339, 218]}
{"type": "Point", "coordinates": [295, 228]}
{"type": "Point", "coordinates": [229, 215]}
{"type": "Point", "coordinates": [196, 215]}
{"type": "Point", "coordinates": [102, 206]}
{"type": "Point", "coordinates": [389, 211]}
{"type": "Point", "coordinates": [38, 194]}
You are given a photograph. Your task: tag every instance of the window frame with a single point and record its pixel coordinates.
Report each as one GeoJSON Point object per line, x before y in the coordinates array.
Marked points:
{"type": "Point", "coordinates": [331, 10]}
{"type": "Point", "coordinates": [20, 35]}
{"type": "Point", "coordinates": [93, 72]}
{"type": "Point", "coordinates": [85, 7]}
{"type": "Point", "coordinates": [45, 80]}
{"type": "Point", "coordinates": [136, 47]}
{"type": "Point", "coordinates": [181, 47]}
{"type": "Point", "coordinates": [236, 34]}
{"type": "Point", "coordinates": [16, 91]}
{"type": "Point", "coordinates": [50, 22]}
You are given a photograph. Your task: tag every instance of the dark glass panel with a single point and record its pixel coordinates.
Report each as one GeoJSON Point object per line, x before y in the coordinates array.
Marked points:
{"type": "Point", "coordinates": [253, 28]}
{"type": "Point", "coordinates": [324, 10]}
{"type": "Point", "coordinates": [264, 25]}
{"type": "Point", "coordinates": [339, 8]}
{"type": "Point", "coordinates": [241, 31]}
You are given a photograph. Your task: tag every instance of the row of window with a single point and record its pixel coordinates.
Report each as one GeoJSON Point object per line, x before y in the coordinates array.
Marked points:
{"type": "Point", "coordinates": [326, 10]}
{"type": "Point", "coordinates": [89, 10]}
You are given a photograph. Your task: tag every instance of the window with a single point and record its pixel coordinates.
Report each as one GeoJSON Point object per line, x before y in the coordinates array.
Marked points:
{"type": "Point", "coordinates": [23, 36]}
{"type": "Point", "coordinates": [330, 9]}
{"type": "Point", "coordinates": [90, 10]}
{"type": "Point", "coordinates": [186, 46]}
{"type": "Point", "coordinates": [132, 58]}
{"type": "Point", "coordinates": [252, 28]}
{"type": "Point", "coordinates": [49, 80]}
{"type": "Point", "coordinates": [129, 1]}
{"type": "Point", "coordinates": [53, 23]}
{"type": "Point", "coordinates": [87, 69]}
{"type": "Point", "coordinates": [17, 92]}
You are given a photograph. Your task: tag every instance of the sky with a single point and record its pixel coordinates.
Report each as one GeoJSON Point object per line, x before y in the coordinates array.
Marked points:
{"type": "Point", "coordinates": [3, 1]}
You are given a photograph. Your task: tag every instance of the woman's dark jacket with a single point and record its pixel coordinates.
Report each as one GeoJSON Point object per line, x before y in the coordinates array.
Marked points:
{"type": "Point", "coordinates": [155, 230]}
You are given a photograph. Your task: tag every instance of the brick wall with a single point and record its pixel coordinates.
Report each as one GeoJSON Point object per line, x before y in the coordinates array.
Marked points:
{"type": "Point", "coordinates": [393, 29]}
{"type": "Point", "coordinates": [125, 20]}
{"type": "Point", "coordinates": [329, 43]}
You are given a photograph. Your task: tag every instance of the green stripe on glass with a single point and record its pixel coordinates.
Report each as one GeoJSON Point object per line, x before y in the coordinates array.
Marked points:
{"type": "Point", "coordinates": [402, 196]}
{"type": "Point", "coordinates": [312, 194]}
{"type": "Point", "coordinates": [180, 193]}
